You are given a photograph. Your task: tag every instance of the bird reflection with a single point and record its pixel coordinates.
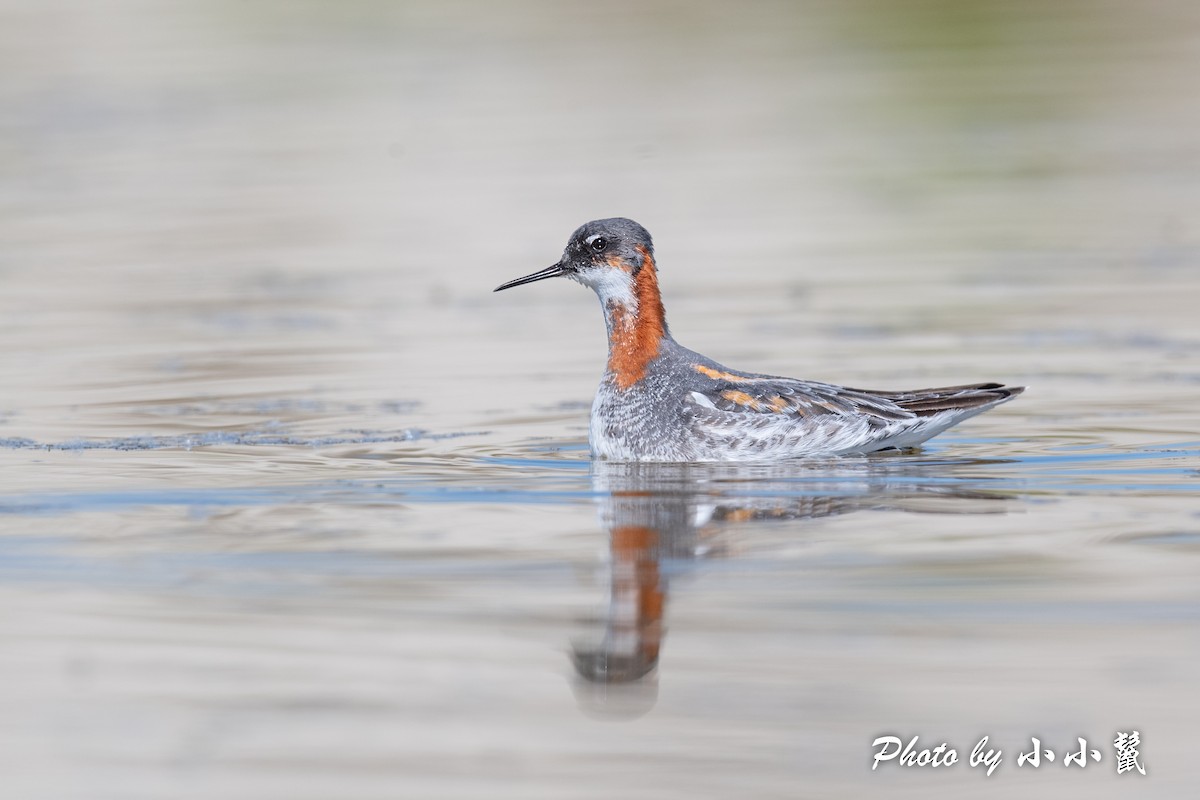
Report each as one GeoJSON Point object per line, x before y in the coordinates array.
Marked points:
{"type": "Point", "coordinates": [670, 514]}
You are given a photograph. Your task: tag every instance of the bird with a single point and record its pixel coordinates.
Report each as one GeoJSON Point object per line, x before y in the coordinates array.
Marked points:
{"type": "Point", "coordinates": [658, 401]}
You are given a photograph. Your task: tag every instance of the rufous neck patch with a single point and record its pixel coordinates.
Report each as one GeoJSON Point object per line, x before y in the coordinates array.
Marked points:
{"type": "Point", "coordinates": [636, 335]}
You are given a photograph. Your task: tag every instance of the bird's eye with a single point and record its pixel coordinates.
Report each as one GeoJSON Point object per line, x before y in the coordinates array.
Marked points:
{"type": "Point", "coordinates": [598, 243]}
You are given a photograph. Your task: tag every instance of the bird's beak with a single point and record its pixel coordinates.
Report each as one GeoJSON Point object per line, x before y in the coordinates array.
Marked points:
{"type": "Point", "coordinates": [552, 271]}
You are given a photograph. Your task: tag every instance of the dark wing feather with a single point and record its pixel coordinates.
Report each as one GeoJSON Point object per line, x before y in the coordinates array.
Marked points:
{"type": "Point", "coordinates": [924, 402]}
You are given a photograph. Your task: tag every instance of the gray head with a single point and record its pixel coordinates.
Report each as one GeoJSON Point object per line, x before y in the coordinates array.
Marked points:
{"type": "Point", "coordinates": [604, 254]}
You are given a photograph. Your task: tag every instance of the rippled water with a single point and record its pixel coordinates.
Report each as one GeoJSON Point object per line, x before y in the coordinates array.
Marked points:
{"type": "Point", "coordinates": [293, 506]}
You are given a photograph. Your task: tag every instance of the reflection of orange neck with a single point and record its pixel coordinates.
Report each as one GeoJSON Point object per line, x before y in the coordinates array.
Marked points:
{"type": "Point", "coordinates": [634, 339]}
{"type": "Point", "coordinates": [635, 571]}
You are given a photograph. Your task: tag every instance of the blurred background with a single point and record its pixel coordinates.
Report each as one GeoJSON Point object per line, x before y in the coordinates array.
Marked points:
{"type": "Point", "coordinates": [292, 506]}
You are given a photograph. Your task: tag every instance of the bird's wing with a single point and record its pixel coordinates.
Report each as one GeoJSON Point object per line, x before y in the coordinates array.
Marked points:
{"type": "Point", "coordinates": [780, 397]}
{"type": "Point", "coordinates": [766, 395]}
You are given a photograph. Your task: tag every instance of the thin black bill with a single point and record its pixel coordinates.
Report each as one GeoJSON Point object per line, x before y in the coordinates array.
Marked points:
{"type": "Point", "coordinates": [552, 271]}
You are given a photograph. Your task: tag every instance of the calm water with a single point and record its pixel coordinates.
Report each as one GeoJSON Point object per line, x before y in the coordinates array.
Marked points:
{"type": "Point", "coordinates": [292, 506]}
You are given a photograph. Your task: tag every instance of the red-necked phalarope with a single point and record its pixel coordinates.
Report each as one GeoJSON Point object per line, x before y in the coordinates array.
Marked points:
{"type": "Point", "coordinates": [659, 401]}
